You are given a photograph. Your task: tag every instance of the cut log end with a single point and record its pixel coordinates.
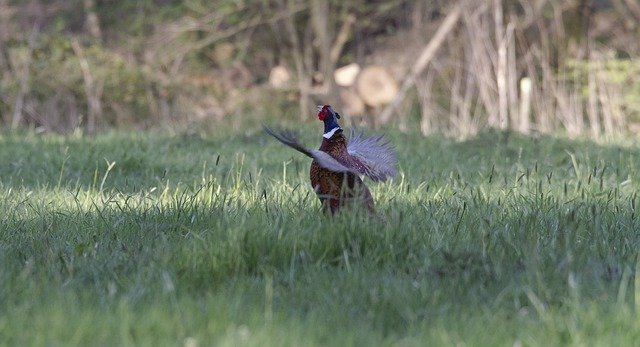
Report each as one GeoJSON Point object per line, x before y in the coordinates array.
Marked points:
{"type": "Point", "coordinates": [279, 77]}
{"type": "Point", "coordinates": [346, 75]}
{"type": "Point", "coordinates": [376, 87]}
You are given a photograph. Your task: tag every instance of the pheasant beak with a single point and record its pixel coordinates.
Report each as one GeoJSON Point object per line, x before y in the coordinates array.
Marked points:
{"type": "Point", "coordinates": [319, 108]}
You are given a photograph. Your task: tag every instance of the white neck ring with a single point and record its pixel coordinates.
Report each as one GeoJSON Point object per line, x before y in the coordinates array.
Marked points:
{"type": "Point", "coordinates": [330, 133]}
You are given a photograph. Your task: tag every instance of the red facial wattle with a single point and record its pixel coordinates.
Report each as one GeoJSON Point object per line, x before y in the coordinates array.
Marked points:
{"type": "Point", "coordinates": [323, 113]}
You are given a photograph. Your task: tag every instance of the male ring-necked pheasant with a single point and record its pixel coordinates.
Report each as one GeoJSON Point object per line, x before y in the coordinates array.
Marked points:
{"type": "Point", "coordinates": [338, 163]}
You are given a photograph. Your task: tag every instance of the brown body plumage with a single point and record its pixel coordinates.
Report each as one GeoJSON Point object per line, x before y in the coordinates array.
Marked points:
{"type": "Point", "coordinates": [337, 189]}
{"type": "Point", "coordinates": [337, 165]}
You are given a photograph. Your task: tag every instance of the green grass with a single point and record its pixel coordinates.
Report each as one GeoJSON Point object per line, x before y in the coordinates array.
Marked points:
{"type": "Point", "coordinates": [154, 239]}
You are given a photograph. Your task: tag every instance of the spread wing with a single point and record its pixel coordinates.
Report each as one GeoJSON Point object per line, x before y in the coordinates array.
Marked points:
{"type": "Point", "coordinates": [371, 156]}
{"type": "Point", "coordinates": [289, 138]}
{"type": "Point", "coordinates": [323, 159]}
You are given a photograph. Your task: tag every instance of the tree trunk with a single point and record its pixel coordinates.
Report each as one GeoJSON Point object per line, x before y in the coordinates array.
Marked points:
{"type": "Point", "coordinates": [25, 72]}
{"type": "Point", "coordinates": [92, 22]}
{"type": "Point", "coordinates": [322, 33]}
{"type": "Point", "coordinates": [297, 52]}
{"type": "Point", "coordinates": [501, 68]}
{"type": "Point", "coordinates": [92, 88]}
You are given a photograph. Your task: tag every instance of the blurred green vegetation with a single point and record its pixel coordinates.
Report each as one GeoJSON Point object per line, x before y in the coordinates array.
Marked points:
{"type": "Point", "coordinates": [621, 74]}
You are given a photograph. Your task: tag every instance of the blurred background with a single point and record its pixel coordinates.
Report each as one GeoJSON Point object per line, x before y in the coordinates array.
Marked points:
{"type": "Point", "coordinates": [451, 67]}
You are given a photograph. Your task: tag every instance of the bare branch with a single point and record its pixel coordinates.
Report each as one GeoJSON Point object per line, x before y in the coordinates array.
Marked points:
{"type": "Point", "coordinates": [425, 57]}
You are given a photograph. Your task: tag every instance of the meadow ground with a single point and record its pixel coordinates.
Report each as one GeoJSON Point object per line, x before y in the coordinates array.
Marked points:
{"type": "Point", "coordinates": [157, 239]}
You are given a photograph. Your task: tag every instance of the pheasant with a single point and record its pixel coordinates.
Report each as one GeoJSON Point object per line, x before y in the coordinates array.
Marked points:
{"type": "Point", "coordinates": [337, 165]}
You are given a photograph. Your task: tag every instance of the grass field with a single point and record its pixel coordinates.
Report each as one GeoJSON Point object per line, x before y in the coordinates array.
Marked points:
{"type": "Point", "coordinates": [156, 239]}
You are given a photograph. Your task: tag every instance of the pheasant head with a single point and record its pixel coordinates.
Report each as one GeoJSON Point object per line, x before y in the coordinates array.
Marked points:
{"type": "Point", "coordinates": [330, 119]}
